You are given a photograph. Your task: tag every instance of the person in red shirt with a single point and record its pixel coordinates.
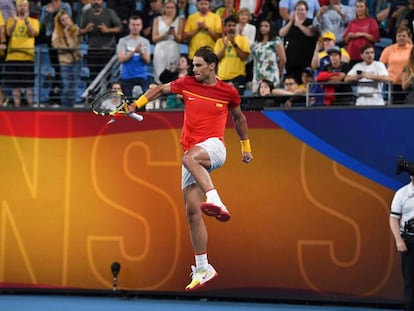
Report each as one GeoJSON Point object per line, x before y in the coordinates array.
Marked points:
{"type": "Point", "coordinates": [207, 102]}
{"type": "Point", "coordinates": [361, 31]}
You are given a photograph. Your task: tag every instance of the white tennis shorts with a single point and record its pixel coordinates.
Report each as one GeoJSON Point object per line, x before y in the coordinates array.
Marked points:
{"type": "Point", "coordinates": [217, 154]}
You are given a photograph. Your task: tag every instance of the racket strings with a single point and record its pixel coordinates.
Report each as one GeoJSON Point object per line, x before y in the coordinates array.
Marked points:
{"type": "Point", "coordinates": [109, 103]}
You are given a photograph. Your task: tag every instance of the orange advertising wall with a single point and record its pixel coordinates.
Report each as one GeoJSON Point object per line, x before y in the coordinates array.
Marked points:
{"type": "Point", "coordinates": [77, 195]}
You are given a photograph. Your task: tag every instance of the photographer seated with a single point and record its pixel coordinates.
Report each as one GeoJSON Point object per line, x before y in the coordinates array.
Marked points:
{"type": "Point", "coordinates": [370, 75]}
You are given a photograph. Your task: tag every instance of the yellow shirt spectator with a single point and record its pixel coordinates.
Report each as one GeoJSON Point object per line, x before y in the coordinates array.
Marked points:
{"type": "Point", "coordinates": [231, 65]}
{"type": "Point", "coordinates": [202, 38]}
{"type": "Point", "coordinates": [3, 40]}
{"type": "Point", "coordinates": [21, 44]}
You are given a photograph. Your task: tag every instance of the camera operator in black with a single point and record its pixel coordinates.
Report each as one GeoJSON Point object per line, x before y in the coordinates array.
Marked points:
{"type": "Point", "coordinates": [402, 211]}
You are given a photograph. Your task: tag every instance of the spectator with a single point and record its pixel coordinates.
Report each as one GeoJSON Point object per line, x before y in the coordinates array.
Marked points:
{"type": "Point", "coordinates": [370, 75]}
{"type": "Point", "coordinates": [34, 8]}
{"type": "Point", "coordinates": [19, 71]}
{"type": "Point", "coordinates": [320, 56]}
{"type": "Point", "coordinates": [290, 87]}
{"type": "Point", "coordinates": [185, 9]}
{"type": "Point", "coordinates": [310, 88]}
{"type": "Point", "coordinates": [407, 79]}
{"type": "Point", "coordinates": [124, 9]}
{"type": "Point", "coordinates": [287, 7]}
{"type": "Point", "coordinates": [396, 17]}
{"type": "Point", "coordinates": [270, 10]}
{"type": "Point", "coordinates": [265, 88]}
{"type": "Point", "coordinates": [214, 4]}
{"type": "Point", "coordinates": [232, 51]}
{"type": "Point", "coordinates": [101, 25]}
{"type": "Point", "coordinates": [306, 78]}
{"type": "Point", "coordinates": [299, 37]}
{"type": "Point", "coordinates": [150, 13]}
{"type": "Point", "coordinates": [334, 18]}
{"type": "Point", "coordinates": [226, 11]}
{"type": "Point", "coordinates": [269, 56]}
{"type": "Point", "coordinates": [202, 28]}
{"type": "Point", "coordinates": [263, 97]}
{"type": "Point", "coordinates": [77, 7]}
{"type": "Point", "coordinates": [395, 57]}
{"type": "Point", "coordinates": [254, 6]}
{"type": "Point", "coordinates": [291, 92]}
{"type": "Point", "coordinates": [405, 16]}
{"type": "Point", "coordinates": [388, 15]}
{"type": "Point", "coordinates": [47, 15]}
{"type": "Point", "coordinates": [8, 9]}
{"type": "Point", "coordinates": [244, 27]}
{"type": "Point", "coordinates": [166, 34]}
{"type": "Point", "coordinates": [134, 54]}
{"type": "Point", "coordinates": [361, 31]}
{"type": "Point", "coordinates": [170, 74]}
{"type": "Point", "coordinates": [3, 47]}
{"type": "Point", "coordinates": [335, 72]}
{"type": "Point", "coordinates": [66, 39]}
{"type": "Point", "coordinates": [3, 39]}
{"type": "Point", "coordinates": [115, 87]}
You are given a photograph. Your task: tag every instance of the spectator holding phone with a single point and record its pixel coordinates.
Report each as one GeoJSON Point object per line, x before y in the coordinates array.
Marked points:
{"type": "Point", "coordinates": [370, 75]}
{"type": "Point", "coordinates": [66, 40]}
{"type": "Point", "coordinates": [166, 34]}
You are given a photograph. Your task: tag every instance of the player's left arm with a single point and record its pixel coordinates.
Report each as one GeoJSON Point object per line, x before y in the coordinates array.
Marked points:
{"type": "Point", "coordinates": [240, 124]}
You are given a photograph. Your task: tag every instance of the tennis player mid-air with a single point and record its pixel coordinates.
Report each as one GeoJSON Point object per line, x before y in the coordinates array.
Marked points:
{"type": "Point", "coordinates": [207, 101]}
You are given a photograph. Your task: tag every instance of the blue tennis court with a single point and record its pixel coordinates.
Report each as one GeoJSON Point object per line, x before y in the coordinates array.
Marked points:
{"type": "Point", "coordinates": [44, 302]}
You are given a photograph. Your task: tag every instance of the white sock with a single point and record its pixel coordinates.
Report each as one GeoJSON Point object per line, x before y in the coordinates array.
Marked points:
{"type": "Point", "coordinates": [201, 261]}
{"type": "Point", "coordinates": [213, 197]}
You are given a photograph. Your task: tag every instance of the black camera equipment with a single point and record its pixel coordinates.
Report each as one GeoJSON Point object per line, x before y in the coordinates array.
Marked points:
{"type": "Point", "coordinates": [404, 166]}
{"type": "Point", "coordinates": [409, 227]}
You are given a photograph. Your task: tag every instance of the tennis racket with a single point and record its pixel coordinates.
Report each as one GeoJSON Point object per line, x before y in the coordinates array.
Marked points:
{"type": "Point", "coordinates": [114, 104]}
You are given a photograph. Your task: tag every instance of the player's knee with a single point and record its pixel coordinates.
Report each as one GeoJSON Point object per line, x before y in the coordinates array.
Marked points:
{"type": "Point", "coordinates": [193, 214]}
{"type": "Point", "coordinates": [194, 218]}
{"type": "Point", "coordinates": [187, 160]}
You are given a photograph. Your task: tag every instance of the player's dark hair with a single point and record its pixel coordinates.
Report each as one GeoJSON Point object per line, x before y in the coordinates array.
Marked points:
{"type": "Point", "coordinates": [207, 53]}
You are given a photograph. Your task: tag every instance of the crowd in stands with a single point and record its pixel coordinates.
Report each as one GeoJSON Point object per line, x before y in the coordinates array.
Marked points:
{"type": "Point", "coordinates": [310, 52]}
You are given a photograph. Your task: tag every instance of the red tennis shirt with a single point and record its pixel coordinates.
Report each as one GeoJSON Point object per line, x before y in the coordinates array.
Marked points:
{"type": "Point", "coordinates": [205, 109]}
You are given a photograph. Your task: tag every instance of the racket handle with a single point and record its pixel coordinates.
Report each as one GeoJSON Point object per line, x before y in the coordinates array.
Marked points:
{"type": "Point", "coordinates": [136, 116]}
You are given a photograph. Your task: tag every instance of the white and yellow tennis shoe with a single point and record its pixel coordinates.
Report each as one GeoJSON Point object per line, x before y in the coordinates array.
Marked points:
{"type": "Point", "coordinates": [199, 277]}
